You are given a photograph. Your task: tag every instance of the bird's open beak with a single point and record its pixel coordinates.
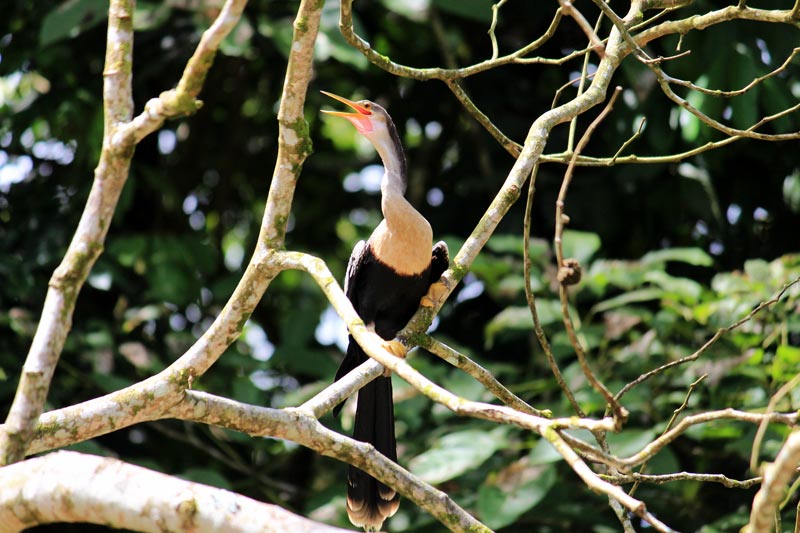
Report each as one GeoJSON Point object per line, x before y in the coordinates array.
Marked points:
{"type": "Point", "coordinates": [360, 119]}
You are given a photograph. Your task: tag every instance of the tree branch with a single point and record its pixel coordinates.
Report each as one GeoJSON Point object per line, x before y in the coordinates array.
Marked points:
{"type": "Point", "coordinates": [74, 487]}
{"type": "Point", "coordinates": [87, 242]}
{"type": "Point", "coordinates": [777, 476]}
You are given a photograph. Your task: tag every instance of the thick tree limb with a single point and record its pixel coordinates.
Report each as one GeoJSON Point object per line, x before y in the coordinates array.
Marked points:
{"type": "Point", "coordinates": [73, 487]}
{"type": "Point", "coordinates": [86, 246]}
{"type": "Point", "coordinates": [777, 477]}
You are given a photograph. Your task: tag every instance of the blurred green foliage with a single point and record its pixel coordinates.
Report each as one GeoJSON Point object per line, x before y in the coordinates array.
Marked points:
{"type": "Point", "coordinates": [670, 253]}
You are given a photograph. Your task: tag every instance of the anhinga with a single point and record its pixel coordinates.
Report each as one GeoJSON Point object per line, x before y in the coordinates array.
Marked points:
{"type": "Point", "coordinates": [387, 279]}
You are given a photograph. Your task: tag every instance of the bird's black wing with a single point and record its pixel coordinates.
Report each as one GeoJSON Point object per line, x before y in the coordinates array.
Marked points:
{"type": "Point", "coordinates": [353, 265]}
{"type": "Point", "coordinates": [354, 356]}
{"type": "Point", "coordinates": [369, 502]}
{"type": "Point", "coordinates": [440, 260]}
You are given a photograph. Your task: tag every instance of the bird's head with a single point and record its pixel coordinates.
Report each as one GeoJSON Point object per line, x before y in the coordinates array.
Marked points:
{"type": "Point", "coordinates": [368, 117]}
{"type": "Point", "coordinates": [373, 122]}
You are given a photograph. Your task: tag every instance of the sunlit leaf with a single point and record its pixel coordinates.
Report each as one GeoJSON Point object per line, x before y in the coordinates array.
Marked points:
{"type": "Point", "coordinates": [692, 256]}
{"type": "Point", "coordinates": [519, 488]}
{"type": "Point", "coordinates": [457, 453]}
{"type": "Point", "coordinates": [685, 289]}
{"type": "Point", "coordinates": [544, 453]}
{"type": "Point", "coordinates": [641, 295]}
{"type": "Point", "coordinates": [520, 318]}
{"type": "Point", "coordinates": [690, 124]}
{"type": "Point", "coordinates": [581, 245]}
{"type": "Point", "coordinates": [504, 243]}
{"type": "Point", "coordinates": [758, 270]}
{"type": "Point", "coordinates": [786, 363]}
{"type": "Point", "coordinates": [630, 441]}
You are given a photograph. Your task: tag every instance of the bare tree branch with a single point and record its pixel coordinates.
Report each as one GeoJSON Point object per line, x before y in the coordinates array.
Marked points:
{"type": "Point", "coordinates": [87, 242]}
{"type": "Point", "coordinates": [777, 476]}
{"type": "Point", "coordinates": [73, 487]}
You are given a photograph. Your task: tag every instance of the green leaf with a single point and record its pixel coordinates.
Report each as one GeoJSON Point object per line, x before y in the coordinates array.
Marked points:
{"type": "Point", "coordinates": [581, 245]}
{"type": "Point", "coordinates": [127, 249]}
{"type": "Point", "coordinates": [629, 441]}
{"type": "Point", "coordinates": [692, 256]}
{"type": "Point", "coordinates": [72, 18]}
{"type": "Point", "coordinates": [690, 124]}
{"type": "Point", "coordinates": [479, 10]}
{"type": "Point", "coordinates": [758, 270]}
{"type": "Point", "coordinates": [603, 274]}
{"type": "Point", "coordinates": [506, 243]}
{"type": "Point", "coordinates": [457, 453]}
{"type": "Point", "coordinates": [519, 318]}
{"type": "Point", "coordinates": [641, 295]}
{"type": "Point", "coordinates": [544, 453]}
{"type": "Point", "coordinates": [684, 289]}
{"type": "Point", "coordinates": [500, 506]}
{"type": "Point", "coordinates": [786, 363]}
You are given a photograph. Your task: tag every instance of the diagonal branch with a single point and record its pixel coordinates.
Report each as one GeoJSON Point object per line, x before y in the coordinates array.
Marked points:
{"type": "Point", "coordinates": [110, 176]}
{"type": "Point", "coordinates": [87, 242]}
{"type": "Point", "coordinates": [776, 478]}
{"type": "Point", "coordinates": [302, 427]}
{"type": "Point", "coordinates": [183, 99]}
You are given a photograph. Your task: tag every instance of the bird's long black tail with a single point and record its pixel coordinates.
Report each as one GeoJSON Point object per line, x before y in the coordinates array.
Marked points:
{"type": "Point", "coordinates": [370, 502]}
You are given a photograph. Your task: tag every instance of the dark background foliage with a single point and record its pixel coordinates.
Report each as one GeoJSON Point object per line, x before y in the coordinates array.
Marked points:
{"type": "Point", "coordinates": [671, 251]}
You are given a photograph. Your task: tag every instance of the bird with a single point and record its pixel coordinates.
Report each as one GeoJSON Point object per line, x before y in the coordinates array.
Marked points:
{"type": "Point", "coordinates": [388, 277]}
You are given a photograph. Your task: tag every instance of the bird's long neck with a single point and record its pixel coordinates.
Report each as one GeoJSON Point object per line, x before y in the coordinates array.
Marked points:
{"type": "Point", "coordinates": [403, 240]}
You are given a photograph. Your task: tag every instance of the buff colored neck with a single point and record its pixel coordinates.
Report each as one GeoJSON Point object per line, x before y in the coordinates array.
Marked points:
{"type": "Point", "coordinates": [403, 239]}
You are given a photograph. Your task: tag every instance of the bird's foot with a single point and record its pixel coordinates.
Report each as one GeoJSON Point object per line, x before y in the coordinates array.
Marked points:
{"type": "Point", "coordinates": [395, 348]}
{"type": "Point", "coordinates": [435, 293]}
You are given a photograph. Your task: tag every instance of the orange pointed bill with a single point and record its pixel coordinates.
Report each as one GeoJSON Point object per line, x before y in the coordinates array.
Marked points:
{"type": "Point", "coordinates": [359, 119]}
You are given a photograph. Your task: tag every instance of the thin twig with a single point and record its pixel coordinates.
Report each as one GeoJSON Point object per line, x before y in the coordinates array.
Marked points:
{"type": "Point", "coordinates": [660, 479]}
{"type": "Point", "coordinates": [591, 33]}
{"type": "Point", "coordinates": [531, 298]}
{"type": "Point", "coordinates": [675, 414]}
{"type": "Point", "coordinates": [510, 146]}
{"type": "Point", "coordinates": [632, 138]}
{"type": "Point", "coordinates": [597, 484]}
{"type": "Point", "coordinates": [620, 413]}
{"type": "Point", "coordinates": [495, 11]}
{"type": "Point", "coordinates": [652, 448]}
{"type": "Point", "coordinates": [710, 342]}
{"type": "Point", "coordinates": [584, 77]}
{"type": "Point", "coordinates": [483, 376]}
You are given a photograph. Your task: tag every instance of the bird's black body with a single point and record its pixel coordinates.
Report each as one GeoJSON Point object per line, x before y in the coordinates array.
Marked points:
{"type": "Point", "coordinates": [386, 301]}
{"type": "Point", "coordinates": [387, 278]}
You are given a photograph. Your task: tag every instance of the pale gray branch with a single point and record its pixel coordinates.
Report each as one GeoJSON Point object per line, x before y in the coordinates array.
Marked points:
{"type": "Point", "coordinates": [73, 487]}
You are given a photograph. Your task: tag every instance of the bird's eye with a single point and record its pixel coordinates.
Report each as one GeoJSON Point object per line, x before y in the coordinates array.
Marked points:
{"type": "Point", "coordinates": [368, 105]}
